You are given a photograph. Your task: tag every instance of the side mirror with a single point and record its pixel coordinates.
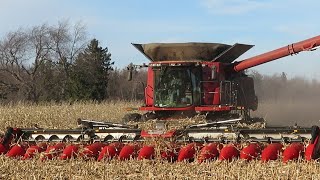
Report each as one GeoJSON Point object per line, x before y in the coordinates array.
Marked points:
{"type": "Point", "coordinates": [130, 70]}
{"type": "Point", "coordinates": [129, 75]}
{"type": "Point", "coordinates": [131, 67]}
{"type": "Point", "coordinates": [214, 72]}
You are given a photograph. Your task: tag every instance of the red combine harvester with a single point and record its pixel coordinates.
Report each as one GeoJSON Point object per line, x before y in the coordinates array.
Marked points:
{"type": "Point", "coordinates": [190, 78]}
{"type": "Point", "coordinates": [184, 79]}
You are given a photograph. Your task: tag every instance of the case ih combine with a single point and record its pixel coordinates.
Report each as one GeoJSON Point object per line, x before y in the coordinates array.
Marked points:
{"type": "Point", "coordinates": [184, 79]}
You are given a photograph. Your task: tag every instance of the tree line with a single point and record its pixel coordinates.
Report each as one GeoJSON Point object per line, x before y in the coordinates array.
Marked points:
{"type": "Point", "coordinates": [59, 63]}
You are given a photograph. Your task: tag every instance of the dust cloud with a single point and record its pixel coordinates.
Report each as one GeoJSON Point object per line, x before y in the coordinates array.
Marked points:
{"type": "Point", "coordinates": [286, 102]}
{"type": "Point", "coordinates": [286, 113]}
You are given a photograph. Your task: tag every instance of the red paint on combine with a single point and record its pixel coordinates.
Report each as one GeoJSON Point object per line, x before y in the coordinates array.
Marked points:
{"type": "Point", "coordinates": [92, 150]}
{"type": "Point", "coordinates": [219, 146]}
{"type": "Point", "coordinates": [146, 152]}
{"type": "Point", "coordinates": [3, 149]}
{"type": "Point", "coordinates": [229, 152]}
{"type": "Point", "coordinates": [49, 153]}
{"type": "Point", "coordinates": [31, 151]}
{"type": "Point", "coordinates": [43, 146]}
{"type": "Point", "coordinates": [312, 148]}
{"type": "Point", "coordinates": [271, 152]}
{"type": "Point", "coordinates": [108, 152]}
{"type": "Point", "coordinates": [16, 151]}
{"type": "Point", "coordinates": [69, 152]}
{"type": "Point", "coordinates": [292, 152]}
{"type": "Point", "coordinates": [208, 152]}
{"type": "Point", "coordinates": [295, 48]}
{"type": "Point", "coordinates": [187, 152]}
{"type": "Point", "coordinates": [59, 146]}
{"type": "Point", "coordinates": [250, 152]}
{"type": "Point", "coordinates": [309, 152]}
{"type": "Point", "coordinates": [127, 152]}
{"type": "Point", "coordinates": [118, 146]}
{"type": "Point", "coordinates": [53, 151]}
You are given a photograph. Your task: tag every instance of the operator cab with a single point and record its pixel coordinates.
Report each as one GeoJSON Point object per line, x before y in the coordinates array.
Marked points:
{"type": "Point", "coordinates": [176, 86]}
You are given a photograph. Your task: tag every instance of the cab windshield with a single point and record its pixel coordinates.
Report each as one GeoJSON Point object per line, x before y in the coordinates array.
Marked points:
{"type": "Point", "coordinates": [174, 86]}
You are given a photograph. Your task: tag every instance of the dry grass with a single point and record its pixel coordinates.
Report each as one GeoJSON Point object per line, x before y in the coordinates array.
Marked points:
{"type": "Point", "coordinates": [61, 115]}
{"type": "Point", "coordinates": [65, 115]}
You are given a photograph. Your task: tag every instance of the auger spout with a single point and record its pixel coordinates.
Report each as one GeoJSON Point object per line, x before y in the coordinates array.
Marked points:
{"type": "Point", "coordinates": [291, 49]}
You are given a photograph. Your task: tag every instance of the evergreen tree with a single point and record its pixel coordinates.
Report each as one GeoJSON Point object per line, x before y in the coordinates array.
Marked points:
{"type": "Point", "coordinates": [90, 73]}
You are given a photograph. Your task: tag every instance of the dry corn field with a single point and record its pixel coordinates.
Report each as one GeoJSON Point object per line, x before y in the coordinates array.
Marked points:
{"type": "Point", "coordinates": [65, 115]}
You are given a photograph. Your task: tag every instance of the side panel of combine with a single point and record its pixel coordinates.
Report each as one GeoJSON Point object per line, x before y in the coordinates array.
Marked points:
{"type": "Point", "coordinates": [212, 75]}
{"type": "Point", "coordinates": [227, 93]}
{"type": "Point", "coordinates": [208, 86]}
{"type": "Point", "coordinates": [245, 93]}
{"type": "Point", "coordinates": [149, 90]}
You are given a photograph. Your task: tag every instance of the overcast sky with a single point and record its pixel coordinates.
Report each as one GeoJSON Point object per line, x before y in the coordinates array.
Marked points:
{"type": "Point", "coordinates": [268, 24]}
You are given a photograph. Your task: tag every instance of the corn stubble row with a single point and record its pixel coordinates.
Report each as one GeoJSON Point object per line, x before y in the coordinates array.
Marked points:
{"type": "Point", "coordinates": [146, 169]}
{"type": "Point", "coordinates": [64, 116]}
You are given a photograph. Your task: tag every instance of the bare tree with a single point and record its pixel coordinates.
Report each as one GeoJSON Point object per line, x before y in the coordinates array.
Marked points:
{"type": "Point", "coordinates": [36, 57]}
{"type": "Point", "coordinates": [66, 45]}
{"type": "Point", "coordinates": [12, 58]}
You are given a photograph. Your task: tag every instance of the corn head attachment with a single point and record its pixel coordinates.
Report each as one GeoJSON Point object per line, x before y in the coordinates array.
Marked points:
{"type": "Point", "coordinates": [202, 142]}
